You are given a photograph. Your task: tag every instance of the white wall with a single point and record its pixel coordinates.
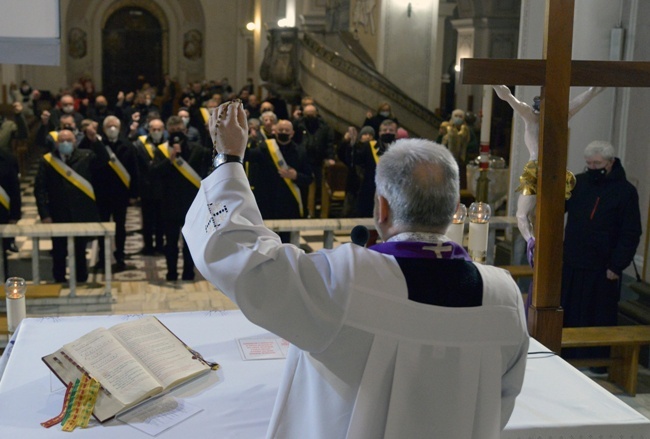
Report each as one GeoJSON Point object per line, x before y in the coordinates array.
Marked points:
{"type": "Point", "coordinates": [222, 30]}
{"type": "Point", "coordinates": [409, 47]}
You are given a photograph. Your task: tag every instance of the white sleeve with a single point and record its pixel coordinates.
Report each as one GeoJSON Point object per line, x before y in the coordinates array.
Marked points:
{"type": "Point", "coordinates": [277, 286]}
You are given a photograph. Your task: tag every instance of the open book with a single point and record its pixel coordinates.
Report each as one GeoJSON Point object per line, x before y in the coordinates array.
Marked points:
{"type": "Point", "coordinates": [132, 361]}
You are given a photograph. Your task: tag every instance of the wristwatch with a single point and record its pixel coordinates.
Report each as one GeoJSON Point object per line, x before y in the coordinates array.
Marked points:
{"type": "Point", "coordinates": [222, 158]}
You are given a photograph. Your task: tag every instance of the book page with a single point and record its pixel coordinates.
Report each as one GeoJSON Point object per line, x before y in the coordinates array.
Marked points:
{"type": "Point", "coordinates": [106, 360]}
{"type": "Point", "coordinates": [164, 355]}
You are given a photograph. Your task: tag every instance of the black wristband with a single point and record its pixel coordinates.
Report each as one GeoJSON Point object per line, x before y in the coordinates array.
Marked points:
{"type": "Point", "coordinates": [221, 158]}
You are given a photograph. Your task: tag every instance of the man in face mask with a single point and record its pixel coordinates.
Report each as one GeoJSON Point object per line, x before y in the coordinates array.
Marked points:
{"type": "Point", "coordinates": [283, 173]}
{"type": "Point", "coordinates": [49, 121]}
{"type": "Point", "coordinates": [178, 176]}
{"type": "Point", "coordinates": [383, 112]}
{"type": "Point", "coordinates": [65, 193]}
{"type": "Point", "coordinates": [601, 237]}
{"type": "Point", "coordinates": [98, 111]}
{"type": "Point", "coordinates": [118, 188]}
{"type": "Point", "coordinates": [193, 134]}
{"type": "Point", "coordinates": [313, 133]}
{"type": "Point", "coordinates": [365, 158]}
{"type": "Point", "coordinates": [148, 153]}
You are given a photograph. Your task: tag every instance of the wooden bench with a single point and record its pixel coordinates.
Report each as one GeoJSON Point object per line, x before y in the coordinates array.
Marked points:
{"type": "Point", "coordinates": [56, 230]}
{"type": "Point", "coordinates": [625, 341]}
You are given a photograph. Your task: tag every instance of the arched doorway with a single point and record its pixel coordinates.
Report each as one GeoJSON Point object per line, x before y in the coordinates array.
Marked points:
{"type": "Point", "coordinates": [132, 42]}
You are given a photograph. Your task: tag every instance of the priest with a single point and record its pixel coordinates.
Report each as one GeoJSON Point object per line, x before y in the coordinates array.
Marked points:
{"type": "Point", "coordinates": [408, 338]}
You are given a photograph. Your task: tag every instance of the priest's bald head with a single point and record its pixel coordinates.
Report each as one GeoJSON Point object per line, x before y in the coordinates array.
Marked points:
{"type": "Point", "coordinates": [417, 188]}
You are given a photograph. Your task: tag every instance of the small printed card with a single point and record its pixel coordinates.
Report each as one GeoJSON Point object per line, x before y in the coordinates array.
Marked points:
{"type": "Point", "coordinates": [265, 347]}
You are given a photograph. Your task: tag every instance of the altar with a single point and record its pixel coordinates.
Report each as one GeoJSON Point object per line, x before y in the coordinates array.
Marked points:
{"type": "Point", "coordinates": [557, 401]}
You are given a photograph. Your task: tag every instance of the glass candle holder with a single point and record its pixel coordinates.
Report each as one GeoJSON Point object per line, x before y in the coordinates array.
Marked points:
{"type": "Point", "coordinates": [15, 289]}
{"type": "Point", "coordinates": [456, 229]}
{"type": "Point", "coordinates": [479, 224]}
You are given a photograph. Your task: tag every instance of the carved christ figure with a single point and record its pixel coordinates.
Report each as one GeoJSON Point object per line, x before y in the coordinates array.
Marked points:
{"type": "Point", "coordinates": [530, 114]}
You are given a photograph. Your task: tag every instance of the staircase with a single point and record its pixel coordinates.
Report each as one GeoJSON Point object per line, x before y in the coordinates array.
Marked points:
{"type": "Point", "coordinates": [341, 78]}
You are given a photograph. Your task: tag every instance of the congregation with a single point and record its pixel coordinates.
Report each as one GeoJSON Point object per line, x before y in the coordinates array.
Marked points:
{"type": "Point", "coordinates": [151, 147]}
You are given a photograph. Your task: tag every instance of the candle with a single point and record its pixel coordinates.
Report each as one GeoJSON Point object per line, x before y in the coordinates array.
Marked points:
{"type": "Point", "coordinates": [457, 226]}
{"type": "Point", "coordinates": [15, 288]}
{"type": "Point", "coordinates": [479, 217]}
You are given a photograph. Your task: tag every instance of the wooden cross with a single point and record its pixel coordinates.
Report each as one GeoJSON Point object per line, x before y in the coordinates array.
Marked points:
{"type": "Point", "coordinates": [556, 74]}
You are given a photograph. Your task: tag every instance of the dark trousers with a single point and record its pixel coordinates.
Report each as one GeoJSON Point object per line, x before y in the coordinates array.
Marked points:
{"type": "Point", "coordinates": [172, 234]}
{"type": "Point", "coordinates": [59, 254]}
{"type": "Point", "coordinates": [117, 210]}
{"type": "Point", "coordinates": [589, 299]}
{"type": "Point", "coordinates": [152, 226]}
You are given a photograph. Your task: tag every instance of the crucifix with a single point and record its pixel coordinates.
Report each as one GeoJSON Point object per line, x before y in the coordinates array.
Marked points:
{"type": "Point", "coordinates": [556, 74]}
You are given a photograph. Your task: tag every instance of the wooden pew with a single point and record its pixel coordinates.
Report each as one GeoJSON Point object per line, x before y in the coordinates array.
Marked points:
{"type": "Point", "coordinates": [625, 341]}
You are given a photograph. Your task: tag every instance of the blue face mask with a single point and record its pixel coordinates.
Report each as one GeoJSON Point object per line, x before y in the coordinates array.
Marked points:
{"type": "Point", "coordinates": [66, 148]}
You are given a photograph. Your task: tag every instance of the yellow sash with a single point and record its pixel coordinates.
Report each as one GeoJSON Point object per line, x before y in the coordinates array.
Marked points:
{"type": "Point", "coordinates": [117, 166]}
{"type": "Point", "coordinates": [280, 163]}
{"type": "Point", "coordinates": [206, 115]}
{"type": "Point", "coordinates": [373, 143]}
{"type": "Point", "coordinates": [182, 166]}
{"type": "Point", "coordinates": [54, 135]}
{"type": "Point", "coordinates": [147, 146]}
{"type": "Point", "coordinates": [4, 198]}
{"type": "Point", "coordinates": [69, 174]}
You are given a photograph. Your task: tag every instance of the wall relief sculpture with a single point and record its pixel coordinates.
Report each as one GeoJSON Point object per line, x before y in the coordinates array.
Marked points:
{"type": "Point", "coordinates": [193, 45]}
{"type": "Point", "coordinates": [77, 43]}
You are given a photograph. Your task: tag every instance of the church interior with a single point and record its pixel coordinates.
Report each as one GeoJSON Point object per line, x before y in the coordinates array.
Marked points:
{"type": "Point", "coordinates": [351, 57]}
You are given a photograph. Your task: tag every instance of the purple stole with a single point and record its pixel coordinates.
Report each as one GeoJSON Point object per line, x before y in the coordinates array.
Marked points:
{"type": "Point", "coordinates": [424, 250]}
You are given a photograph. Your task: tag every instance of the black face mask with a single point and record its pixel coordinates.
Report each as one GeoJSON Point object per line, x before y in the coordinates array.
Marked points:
{"type": "Point", "coordinates": [282, 138]}
{"type": "Point", "coordinates": [311, 122]}
{"type": "Point", "coordinates": [387, 138]}
{"type": "Point", "coordinates": [597, 175]}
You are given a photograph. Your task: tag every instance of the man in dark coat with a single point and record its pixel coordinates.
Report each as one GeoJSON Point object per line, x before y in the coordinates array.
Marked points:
{"type": "Point", "coordinates": [117, 186]}
{"type": "Point", "coordinates": [600, 239]}
{"type": "Point", "coordinates": [148, 153]}
{"type": "Point", "coordinates": [317, 138]}
{"type": "Point", "coordinates": [366, 157]}
{"type": "Point", "coordinates": [179, 176]}
{"type": "Point", "coordinates": [282, 173]}
{"type": "Point", "coordinates": [10, 201]}
{"type": "Point", "coordinates": [64, 194]}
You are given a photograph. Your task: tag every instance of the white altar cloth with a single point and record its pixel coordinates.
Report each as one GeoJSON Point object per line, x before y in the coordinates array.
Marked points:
{"type": "Point", "coordinates": [556, 402]}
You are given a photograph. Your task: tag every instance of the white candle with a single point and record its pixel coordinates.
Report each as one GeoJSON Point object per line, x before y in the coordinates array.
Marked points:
{"type": "Point", "coordinates": [15, 288]}
{"type": "Point", "coordinates": [478, 241]}
{"type": "Point", "coordinates": [455, 232]}
{"type": "Point", "coordinates": [16, 310]}
{"type": "Point", "coordinates": [479, 216]}
{"type": "Point", "coordinates": [486, 118]}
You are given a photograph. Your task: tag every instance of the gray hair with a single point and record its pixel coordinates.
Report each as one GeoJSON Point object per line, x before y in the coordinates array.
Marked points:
{"type": "Point", "coordinates": [254, 122]}
{"type": "Point", "coordinates": [269, 113]}
{"type": "Point", "coordinates": [419, 179]}
{"type": "Point", "coordinates": [111, 118]}
{"type": "Point", "coordinates": [602, 148]}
